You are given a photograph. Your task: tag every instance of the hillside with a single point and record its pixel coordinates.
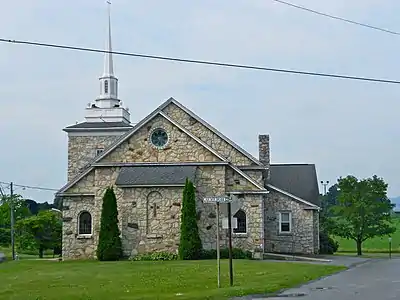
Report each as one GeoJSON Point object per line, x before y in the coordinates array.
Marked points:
{"type": "Point", "coordinates": [396, 201]}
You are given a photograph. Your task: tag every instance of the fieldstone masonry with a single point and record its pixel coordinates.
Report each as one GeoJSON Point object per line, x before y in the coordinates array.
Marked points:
{"type": "Point", "coordinates": [82, 149]}
{"type": "Point", "coordinates": [149, 217]}
{"type": "Point", "coordinates": [302, 238]}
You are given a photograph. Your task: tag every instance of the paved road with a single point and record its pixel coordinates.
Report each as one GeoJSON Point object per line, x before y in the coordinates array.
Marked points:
{"type": "Point", "coordinates": [377, 279]}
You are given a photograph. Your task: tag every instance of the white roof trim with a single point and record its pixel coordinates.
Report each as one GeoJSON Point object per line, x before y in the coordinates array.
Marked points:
{"type": "Point", "coordinates": [73, 181]}
{"type": "Point", "coordinates": [214, 130]}
{"type": "Point", "coordinates": [193, 137]}
{"type": "Point", "coordinates": [247, 177]}
{"type": "Point", "coordinates": [149, 117]}
{"type": "Point", "coordinates": [293, 196]}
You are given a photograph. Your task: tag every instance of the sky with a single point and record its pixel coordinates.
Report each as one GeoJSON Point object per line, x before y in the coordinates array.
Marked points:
{"type": "Point", "coordinates": [342, 126]}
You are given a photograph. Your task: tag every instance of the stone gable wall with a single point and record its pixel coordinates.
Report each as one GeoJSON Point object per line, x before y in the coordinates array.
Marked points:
{"type": "Point", "coordinates": [302, 238]}
{"type": "Point", "coordinates": [180, 148]}
{"type": "Point", "coordinates": [236, 182]}
{"type": "Point", "coordinates": [82, 149]}
{"type": "Point", "coordinates": [210, 138]}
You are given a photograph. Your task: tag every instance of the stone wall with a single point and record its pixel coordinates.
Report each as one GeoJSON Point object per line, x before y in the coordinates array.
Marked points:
{"type": "Point", "coordinates": [301, 240]}
{"type": "Point", "coordinates": [316, 230]}
{"type": "Point", "coordinates": [149, 218]}
{"type": "Point", "coordinates": [180, 147]}
{"type": "Point", "coordinates": [73, 245]}
{"type": "Point", "coordinates": [200, 131]}
{"type": "Point", "coordinates": [82, 149]}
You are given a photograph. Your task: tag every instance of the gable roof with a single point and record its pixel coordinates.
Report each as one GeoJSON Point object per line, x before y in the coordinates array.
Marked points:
{"type": "Point", "coordinates": [299, 180]}
{"type": "Point", "coordinates": [126, 136]}
{"type": "Point", "coordinates": [155, 175]}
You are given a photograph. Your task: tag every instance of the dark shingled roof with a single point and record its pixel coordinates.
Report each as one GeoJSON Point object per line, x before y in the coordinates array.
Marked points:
{"type": "Point", "coordinates": [155, 175]}
{"type": "Point", "coordinates": [87, 125]}
{"type": "Point", "coordinates": [297, 179]}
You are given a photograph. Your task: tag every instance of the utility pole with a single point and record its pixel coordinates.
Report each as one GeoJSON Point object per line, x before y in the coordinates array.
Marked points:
{"type": "Point", "coordinates": [324, 184]}
{"type": "Point", "coordinates": [12, 219]}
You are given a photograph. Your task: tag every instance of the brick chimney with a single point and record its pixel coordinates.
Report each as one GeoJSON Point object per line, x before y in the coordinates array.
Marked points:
{"type": "Point", "coordinates": [264, 152]}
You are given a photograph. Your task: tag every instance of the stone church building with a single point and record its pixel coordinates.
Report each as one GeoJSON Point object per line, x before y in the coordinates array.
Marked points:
{"type": "Point", "coordinates": [148, 163]}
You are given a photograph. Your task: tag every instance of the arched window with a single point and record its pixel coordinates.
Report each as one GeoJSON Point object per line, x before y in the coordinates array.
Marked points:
{"type": "Point", "coordinates": [241, 222]}
{"type": "Point", "coordinates": [106, 87]}
{"type": "Point", "coordinates": [85, 223]}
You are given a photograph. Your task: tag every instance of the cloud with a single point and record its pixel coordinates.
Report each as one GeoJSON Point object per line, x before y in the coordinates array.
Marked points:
{"type": "Point", "coordinates": [342, 126]}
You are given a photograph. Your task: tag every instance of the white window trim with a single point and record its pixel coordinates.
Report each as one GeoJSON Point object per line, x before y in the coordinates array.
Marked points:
{"type": "Point", "coordinates": [85, 235]}
{"type": "Point", "coordinates": [247, 226]}
{"type": "Point", "coordinates": [280, 222]}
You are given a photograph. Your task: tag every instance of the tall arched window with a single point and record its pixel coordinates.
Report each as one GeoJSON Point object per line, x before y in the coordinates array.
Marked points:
{"type": "Point", "coordinates": [85, 223]}
{"type": "Point", "coordinates": [106, 87]}
{"type": "Point", "coordinates": [241, 222]}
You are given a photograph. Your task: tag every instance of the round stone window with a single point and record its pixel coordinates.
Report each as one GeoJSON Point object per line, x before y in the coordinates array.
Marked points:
{"type": "Point", "coordinates": [159, 138]}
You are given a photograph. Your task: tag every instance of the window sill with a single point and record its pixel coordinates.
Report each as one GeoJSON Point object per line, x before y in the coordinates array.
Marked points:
{"type": "Point", "coordinates": [84, 236]}
{"type": "Point", "coordinates": [285, 233]}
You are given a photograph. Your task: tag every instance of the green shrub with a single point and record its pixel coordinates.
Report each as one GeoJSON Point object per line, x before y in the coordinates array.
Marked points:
{"type": "Point", "coordinates": [110, 245]}
{"type": "Point", "coordinates": [5, 237]}
{"type": "Point", "coordinates": [155, 256]}
{"type": "Point", "coordinates": [190, 242]}
{"type": "Point", "coordinates": [237, 253]}
{"type": "Point", "coordinates": [327, 245]}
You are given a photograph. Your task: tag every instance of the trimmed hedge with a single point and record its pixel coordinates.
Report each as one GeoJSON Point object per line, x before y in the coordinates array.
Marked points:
{"type": "Point", "coordinates": [205, 255]}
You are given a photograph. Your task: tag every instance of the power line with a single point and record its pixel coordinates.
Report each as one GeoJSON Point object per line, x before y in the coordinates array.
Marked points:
{"type": "Point", "coordinates": [31, 187]}
{"type": "Point", "coordinates": [337, 18]}
{"type": "Point", "coordinates": [202, 62]}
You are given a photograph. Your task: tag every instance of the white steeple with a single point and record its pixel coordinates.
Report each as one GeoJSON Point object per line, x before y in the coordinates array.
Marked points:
{"type": "Point", "coordinates": [108, 82]}
{"type": "Point", "coordinates": [107, 107]}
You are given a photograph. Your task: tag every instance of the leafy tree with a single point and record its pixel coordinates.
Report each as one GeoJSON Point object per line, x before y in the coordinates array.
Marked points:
{"type": "Point", "coordinates": [190, 246]}
{"type": "Point", "coordinates": [363, 210]}
{"type": "Point", "coordinates": [110, 245]}
{"type": "Point", "coordinates": [21, 211]}
{"type": "Point", "coordinates": [44, 229]}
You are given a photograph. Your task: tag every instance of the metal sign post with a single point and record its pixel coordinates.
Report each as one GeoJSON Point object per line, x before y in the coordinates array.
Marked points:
{"type": "Point", "coordinates": [218, 248]}
{"type": "Point", "coordinates": [217, 201]}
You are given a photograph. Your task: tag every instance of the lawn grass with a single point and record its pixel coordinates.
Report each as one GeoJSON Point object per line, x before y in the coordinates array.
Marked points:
{"type": "Point", "coordinates": [25, 280]}
{"type": "Point", "coordinates": [21, 255]}
{"type": "Point", "coordinates": [375, 245]}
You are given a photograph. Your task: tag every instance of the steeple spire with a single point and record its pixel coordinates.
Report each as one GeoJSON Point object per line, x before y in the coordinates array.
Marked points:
{"type": "Point", "coordinates": [108, 59]}
{"type": "Point", "coordinates": [108, 82]}
{"type": "Point", "coordinates": [107, 107]}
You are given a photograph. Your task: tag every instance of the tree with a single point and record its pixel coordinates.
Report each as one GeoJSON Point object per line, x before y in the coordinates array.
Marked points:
{"type": "Point", "coordinates": [363, 210]}
{"type": "Point", "coordinates": [44, 229]}
{"type": "Point", "coordinates": [110, 245]}
{"type": "Point", "coordinates": [190, 246]}
{"type": "Point", "coordinates": [21, 211]}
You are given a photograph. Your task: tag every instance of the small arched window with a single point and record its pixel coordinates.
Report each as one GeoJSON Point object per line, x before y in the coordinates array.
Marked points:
{"type": "Point", "coordinates": [241, 222]}
{"type": "Point", "coordinates": [85, 223]}
{"type": "Point", "coordinates": [106, 87]}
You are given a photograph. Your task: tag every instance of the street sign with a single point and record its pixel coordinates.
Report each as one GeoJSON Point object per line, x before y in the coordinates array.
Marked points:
{"type": "Point", "coordinates": [216, 199]}
{"type": "Point", "coordinates": [236, 204]}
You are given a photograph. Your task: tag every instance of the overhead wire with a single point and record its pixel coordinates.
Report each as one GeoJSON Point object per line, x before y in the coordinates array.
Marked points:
{"type": "Point", "coordinates": [30, 187]}
{"type": "Point", "coordinates": [336, 17]}
{"type": "Point", "coordinates": [203, 62]}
